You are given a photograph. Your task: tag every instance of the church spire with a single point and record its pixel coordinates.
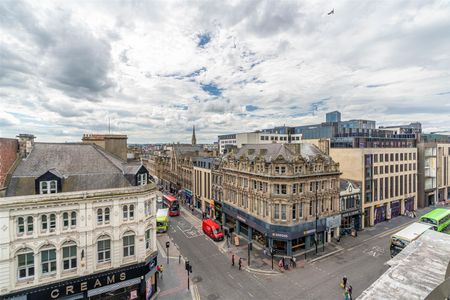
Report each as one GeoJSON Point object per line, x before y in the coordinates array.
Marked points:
{"type": "Point", "coordinates": [194, 140]}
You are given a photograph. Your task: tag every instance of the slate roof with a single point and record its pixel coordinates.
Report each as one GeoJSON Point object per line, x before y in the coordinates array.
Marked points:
{"type": "Point", "coordinates": [81, 166]}
{"type": "Point", "coordinates": [272, 151]}
{"type": "Point", "coordinates": [345, 182]}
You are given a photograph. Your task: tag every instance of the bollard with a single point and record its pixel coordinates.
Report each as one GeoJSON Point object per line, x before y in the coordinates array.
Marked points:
{"type": "Point", "coordinates": [179, 259]}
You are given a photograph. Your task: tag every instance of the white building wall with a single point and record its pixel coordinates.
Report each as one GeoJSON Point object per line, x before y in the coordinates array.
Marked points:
{"type": "Point", "coordinates": [85, 234]}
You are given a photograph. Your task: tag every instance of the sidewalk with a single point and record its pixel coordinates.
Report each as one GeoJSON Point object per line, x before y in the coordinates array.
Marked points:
{"type": "Point", "coordinates": [173, 284]}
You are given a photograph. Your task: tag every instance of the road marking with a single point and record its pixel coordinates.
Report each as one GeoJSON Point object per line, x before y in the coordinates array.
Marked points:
{"type": "Point", "coordinates": [240, 285]}
{"type": "Point", "coordinates": [194, 292]}
{"type": "Point", "coordinates": [230, 276]}
{"type": "Point", "coordinates": [251, 295]}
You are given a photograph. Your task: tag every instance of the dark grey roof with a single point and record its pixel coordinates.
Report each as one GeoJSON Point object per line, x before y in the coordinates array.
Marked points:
{"type": "Point", "coordinates": [345, 182]}
{"type": "Point", "coordinates": [272, 151]}
{"type": "Point", "coordinates": [81, 166]}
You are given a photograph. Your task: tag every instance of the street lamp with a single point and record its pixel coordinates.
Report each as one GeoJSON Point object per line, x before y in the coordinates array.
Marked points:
{"type": "Point", "coordinates": [167, 247]}
{"type": "Point", "coordinates": [188, 268]}
{"type": "Point", "coordinates": [271, 254]}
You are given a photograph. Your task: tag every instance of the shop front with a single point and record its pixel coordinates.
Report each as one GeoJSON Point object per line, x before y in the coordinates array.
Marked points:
{"type": "Point", "coordinates": [121, 283]}
{"type": "Point", "coordinates": [409, 204]}
{"type": "Point", "coordinates": [380, 214]}
{"type": "Point", "coordinates": [395, 209]}
{"type": "Point", "coordinates": [350, 220]}
{"type": "Point", "coordinates": [285, 240]}
{"type": "Point", "coordinates": [188, 196]}
{"type": "Point", "coordinates": [217, 211]}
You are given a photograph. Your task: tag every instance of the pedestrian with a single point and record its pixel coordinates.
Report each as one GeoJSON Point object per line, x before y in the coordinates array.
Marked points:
{"type": "Point", "coordinates": [232, 260]}
{"type": "Point", "coordinates": [240, 263]}
{"type": "Point", "coordinates": [161, 270]}
{"type": "Point", "coordinates": [294, 264]}
{"type": "Point", "coordinates": [350, 291]}
{"type": "Point", "coordinates": [265, 251]}
{"type": "Point", "coordinates": [344, 282]}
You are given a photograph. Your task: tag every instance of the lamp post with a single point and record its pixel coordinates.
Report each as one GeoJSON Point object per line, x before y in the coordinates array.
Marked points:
{"type": "Point", "coordinates": [271, 254]}
{"type": "Point", "coordinates": [249, 246]}
{"type": "Point", "coordinates": [167, 247]}
{"type": "Point", "coordinates": [188, 268]}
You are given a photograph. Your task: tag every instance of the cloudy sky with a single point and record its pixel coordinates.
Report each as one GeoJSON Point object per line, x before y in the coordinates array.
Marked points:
{"type": "Point", "coordinates": [155, 68]}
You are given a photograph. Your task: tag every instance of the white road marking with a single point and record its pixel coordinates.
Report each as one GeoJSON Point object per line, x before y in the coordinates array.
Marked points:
{"type": "Point", "coordinates": [230, 276]}
{"type": "Point", "coordinates": [240, 285]}
{"type": "Point", "coordinates": [250, 295]}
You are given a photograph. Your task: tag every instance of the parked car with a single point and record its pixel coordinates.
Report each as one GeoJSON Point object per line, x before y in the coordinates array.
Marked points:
{"type": "Point", "coordinates": [212, 229]}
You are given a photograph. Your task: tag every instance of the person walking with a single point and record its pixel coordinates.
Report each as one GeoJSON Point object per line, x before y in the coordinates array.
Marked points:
{"type": "Point", "coordinates": [350, 289]}
{"type": "Point", "coordinates": [161, 270]}
{"type": "Point", "coordinates": [232, 260]}
{"type": "Point", "coordinates": [240, 263]}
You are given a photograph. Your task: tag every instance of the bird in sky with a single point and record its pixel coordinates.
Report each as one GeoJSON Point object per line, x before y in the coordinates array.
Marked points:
{"type": "Point", "coordinates": [331, 12]}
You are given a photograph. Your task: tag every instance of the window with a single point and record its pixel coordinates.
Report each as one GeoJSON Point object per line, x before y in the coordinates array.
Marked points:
{"type": "Point", "coordinates": [283, 212]}
{"type": "Point", "coordinates": [99, 216]}
{"type": "Point", "coordinates": [128, 245]}
{"type": "Point", "coordinates": [48, 261]}
{"type": "Point", "coordinates": [131, 212]}
{"type": "Point", "coordinates": [20, 225]}
{"type": "Point", "coordinates": [142, 179]}
{"type": "Point", "coordinates": [25, 265]}
{"type": "Point", "coordinates": [310, 186]}
{"type": "Point", "coordinates": [375, 170]}
{"type": "Point", "coordinates": [294, 211]}
{"type": "Point", "coordinates": [44, 223]}
{"type": "Point", "coordinates": [65, 220]}
{"type": "Point", "coordinates": [276, 211]}
{"type": "Point", "coordinates": [310, 208]}
{"type": "Point", "coordinates": [381, 157]}
{"type": "Point", "coordinates": [396, 156]}
{"type": "Point", "coordinates": [73, 219]}
{"type": "Point", "coordinates": [386, 157]}
{"type": "Point", "coordinates": [301, 187]}
{"type": "Point", "coordinates": [125, 212]}
{"type": "Point", "coordinates": [148, 244]}
{"type": "Point", "coordinates": [107, 215]}
{"type": "Point", "coordinates": [104, 250]}
{"type": "Point", "coordinates": [294, 188]}
{"type": "Point", "coordinates": [29, 225]}
{"type": "Point", "coordinates": [47, 187]}
{"type": "Point", "coordinates": [69, 257]}
{"type": "Point", "coordinates": [52, 222]}
{"type": "Point", "coordinates": [300, 211]}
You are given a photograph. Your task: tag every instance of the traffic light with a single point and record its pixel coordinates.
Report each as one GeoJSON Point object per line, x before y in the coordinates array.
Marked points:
{"type": "Point", "coordinates": [186, 265]}
{"type": "Point", "coordinates": [190, 269]}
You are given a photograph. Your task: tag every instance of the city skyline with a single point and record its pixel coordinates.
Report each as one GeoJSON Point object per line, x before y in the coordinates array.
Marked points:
{"type": "Point", "coordinates": [155, 69]}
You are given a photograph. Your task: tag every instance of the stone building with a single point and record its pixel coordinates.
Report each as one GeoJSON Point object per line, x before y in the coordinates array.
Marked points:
{"type": "Point", "coordinates": [78, 222]}
{"type": "Point", "coordinates": [388, 178]}
{"type": "Point", "coordinates": [282, 196]}
{"type": "Point", "coordinates": [350, 205]}
{"type": "Point", "coordinates": [9, 155]}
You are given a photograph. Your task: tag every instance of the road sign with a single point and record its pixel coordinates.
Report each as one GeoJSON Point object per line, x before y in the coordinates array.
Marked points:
{"type": "Point", "coordinates": [167, 244]}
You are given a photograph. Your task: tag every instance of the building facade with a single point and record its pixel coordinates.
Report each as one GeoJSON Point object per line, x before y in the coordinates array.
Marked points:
{"type": "Point", "coordinates": [78, 222]}
{"type": "Point", "coordinates": [434, 171]}
{"type": "Point", "coordinates": [9, 150]}
{"type": "Point", "coordinates": [79, 244]}
{"type": "Point", "coordinates": [284, 197]}
{"type": "Point", "coordinates": [388, 176]}
{"type": "Point", "coordinates": [202, 184]}
{"type": "Point", "coordinates": [350, 205]}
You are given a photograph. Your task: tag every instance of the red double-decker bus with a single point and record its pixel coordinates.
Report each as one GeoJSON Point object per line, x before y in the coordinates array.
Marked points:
{"type": "Point", "coordinates": [172, 204]}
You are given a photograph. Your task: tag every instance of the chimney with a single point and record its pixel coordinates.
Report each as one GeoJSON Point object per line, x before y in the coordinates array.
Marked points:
{"type": "Point", "coordinates": [26, 144]}
{"type": "Point", "coordinates": [324, 146]}
{"type": "Point", "coordinates": [113, 143]}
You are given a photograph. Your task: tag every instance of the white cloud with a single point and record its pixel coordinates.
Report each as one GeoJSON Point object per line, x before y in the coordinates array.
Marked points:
{"type": "Point", "coordinates": [67, 67]}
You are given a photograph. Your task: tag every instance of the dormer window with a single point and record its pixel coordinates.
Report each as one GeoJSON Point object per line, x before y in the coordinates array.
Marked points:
{"type": "Point", "coordinates": [48, 187]}
{"type": "Point", "coordinates": [142, 179]}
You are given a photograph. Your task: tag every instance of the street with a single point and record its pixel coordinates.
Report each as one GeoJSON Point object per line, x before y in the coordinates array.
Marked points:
{"type": "Point", "coordinates": [361, 259]}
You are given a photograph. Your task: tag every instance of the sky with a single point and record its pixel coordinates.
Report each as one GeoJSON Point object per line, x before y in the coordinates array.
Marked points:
{"type": "Point", "coordinates": [153, 69]}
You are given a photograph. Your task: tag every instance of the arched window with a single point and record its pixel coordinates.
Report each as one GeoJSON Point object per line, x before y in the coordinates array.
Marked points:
{"type": "Point", "coordinates": [73, 219]}
{"type": "Point", "coordinates": [104, 249]}
{"type": "Point", "coordinates": [52, 222]}
{"type": "Point", "coordinates": [25, 264]}
{"type": "Point", "coordinates": [125, 212]}
{"type": "Point", "coordinates": [107, 215]}
{"type": "Point", "coordinates": [44, 223]}
{"type": "Point", "coordinates": [131, 212]}
{"type": "Point", "coordinates": [69, 251]}
{"type": "Point", "coordinates": [99, 216]}
{"type": "Point", "coordinates": [128, 244]}
{"type": "Point", "coordinates": [65, 220]}
{"type": "Point", "coordinates": [20, 225]}
{"type": "Point", "coordinates": [30, 225]}
{"type": "Point", "coordinates": [48, 261]}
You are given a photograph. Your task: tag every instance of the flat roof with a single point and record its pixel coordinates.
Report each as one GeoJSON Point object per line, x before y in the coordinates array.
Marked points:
{"type": "Point", "coordinates": [415, 272]}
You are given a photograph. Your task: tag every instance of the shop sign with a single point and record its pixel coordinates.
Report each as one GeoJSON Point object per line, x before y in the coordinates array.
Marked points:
{"type": "Point", "coordinates": [308, 232]}
{"type": "Point", "coordinates": [334, 221]}
{"type": "Point", "coordinates": [240, 218]}
{"type": "Point", "coordinates": [279, 235]}
{"type": "Point", "coordinates": [350, 213]}
{"type": "Point", "coordinates": [72, 287]}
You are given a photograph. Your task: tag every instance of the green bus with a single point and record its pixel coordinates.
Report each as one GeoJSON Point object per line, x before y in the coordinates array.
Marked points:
{"type": "Point", "coordinates": [162, 220]}
{"type": "Point", "coordinates": [439, 218]}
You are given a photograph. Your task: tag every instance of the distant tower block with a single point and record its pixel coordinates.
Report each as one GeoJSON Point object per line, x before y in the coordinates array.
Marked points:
{"type": "Point", "coordinates": [333, 116]}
